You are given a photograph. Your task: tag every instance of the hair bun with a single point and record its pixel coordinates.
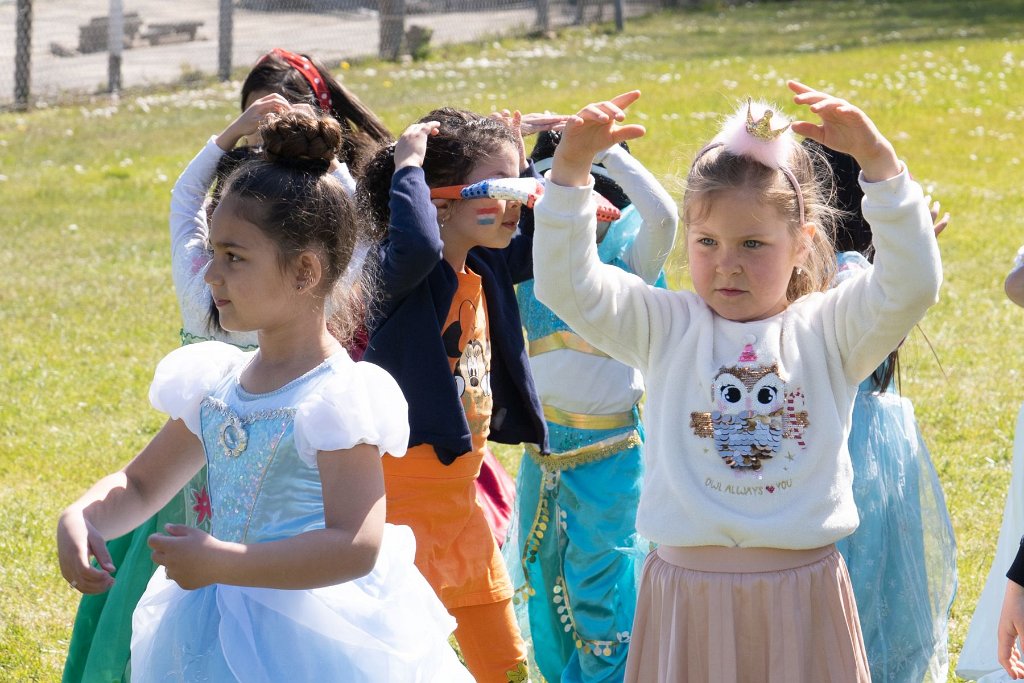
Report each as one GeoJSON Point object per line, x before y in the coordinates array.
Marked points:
{"type": "Point", "coordinates": [302, 139]}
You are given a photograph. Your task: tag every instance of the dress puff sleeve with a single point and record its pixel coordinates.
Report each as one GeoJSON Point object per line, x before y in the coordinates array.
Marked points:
{"type": "Point", "coordinates": [363, 404]}
{"type": "Point", "coordinates": [187, 375]}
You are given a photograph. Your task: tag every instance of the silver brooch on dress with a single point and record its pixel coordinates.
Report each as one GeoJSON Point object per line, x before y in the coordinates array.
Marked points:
{"type": "Point", "coordinates": [233, 437]}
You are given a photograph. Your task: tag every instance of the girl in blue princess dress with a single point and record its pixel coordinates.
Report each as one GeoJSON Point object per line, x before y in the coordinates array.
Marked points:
{"type": "Point", "coordinates": [300, 578]}
{"type": "Point", "coordinates": [101, 638]}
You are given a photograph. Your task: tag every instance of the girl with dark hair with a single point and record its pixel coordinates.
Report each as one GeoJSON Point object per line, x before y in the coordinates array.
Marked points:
{"type": "Point", "coordinates": [447, 328]}
{"type": "Point", "coordinates": [299, 558]}
{"type": "Point", "coordinates": [99, 649]}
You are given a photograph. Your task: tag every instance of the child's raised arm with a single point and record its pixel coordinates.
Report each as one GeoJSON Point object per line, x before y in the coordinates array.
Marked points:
{"type": "Point", "coordinates": [653, 243]}
{"type": "Point", "coordinates": [594, 128]}
{"type": "Point", "coordinates": [413, 246]}
{"type": "Point", "coordinates": [875, 313]}
{"type": "Point", "coordinates": [605, 305]}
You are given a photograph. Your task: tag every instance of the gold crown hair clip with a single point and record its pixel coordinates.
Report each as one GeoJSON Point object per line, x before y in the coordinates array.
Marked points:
{"type": "Point", "coordinates": [762, 128]}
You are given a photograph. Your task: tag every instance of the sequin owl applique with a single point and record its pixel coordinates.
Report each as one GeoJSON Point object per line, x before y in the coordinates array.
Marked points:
{"type": "Point", "coordinates": [752, 413]}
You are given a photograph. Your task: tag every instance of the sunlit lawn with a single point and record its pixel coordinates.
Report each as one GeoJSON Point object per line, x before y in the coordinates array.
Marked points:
{"type": "Point", "coordinates": [87, 308]}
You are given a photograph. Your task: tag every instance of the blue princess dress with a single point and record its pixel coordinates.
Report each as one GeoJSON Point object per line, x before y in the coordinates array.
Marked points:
{"type": "Point", "coordinates": [264, 486]}
{"type": "Point", "coordinates": [902, 557]}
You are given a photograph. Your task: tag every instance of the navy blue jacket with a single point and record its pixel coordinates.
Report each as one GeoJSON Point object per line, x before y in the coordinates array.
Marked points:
{"type": "Point", "coordinates": [417, 287]}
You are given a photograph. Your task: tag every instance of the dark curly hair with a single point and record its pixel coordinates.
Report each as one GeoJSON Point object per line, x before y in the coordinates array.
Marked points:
{"type": "Point", "coordinates": [463, 139]}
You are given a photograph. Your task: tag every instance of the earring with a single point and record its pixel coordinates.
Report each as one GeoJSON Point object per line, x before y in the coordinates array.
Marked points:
{"type": "Point", "coordinates": [799, 271]}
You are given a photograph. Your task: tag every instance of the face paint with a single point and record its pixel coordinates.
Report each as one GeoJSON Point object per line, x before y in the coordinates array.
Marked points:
{"type": "Point", "coordinates": [488, 216]}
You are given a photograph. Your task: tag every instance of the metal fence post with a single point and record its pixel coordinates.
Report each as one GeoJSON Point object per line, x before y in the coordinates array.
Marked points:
{"type": "Point", "coordinates": [543, 16]}
{"type": "Point", "coordinates": [115, 45]}
{"type": "Point", "coordinates": [392, 27]}
{"type": "Point", "coordinates": [224, 39]}
{"type": "Point", "coordinates": [620, 16]}
{"type": "Point", "coordinates": [22, 53]}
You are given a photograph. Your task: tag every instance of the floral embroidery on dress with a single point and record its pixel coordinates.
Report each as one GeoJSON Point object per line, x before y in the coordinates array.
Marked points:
{"type": "Point", "coordinates": [201, 505]}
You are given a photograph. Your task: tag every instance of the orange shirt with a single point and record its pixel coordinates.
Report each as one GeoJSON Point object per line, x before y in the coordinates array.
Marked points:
{"type": "Point", "coordinates": [467, 341]}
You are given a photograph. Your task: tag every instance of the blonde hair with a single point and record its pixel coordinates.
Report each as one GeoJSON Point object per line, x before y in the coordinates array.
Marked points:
{"type": "Point", "coordinates": [716, 170]}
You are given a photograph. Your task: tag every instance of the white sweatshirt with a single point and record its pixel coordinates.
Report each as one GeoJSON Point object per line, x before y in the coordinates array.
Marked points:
{"type": "Point", "coordinates": [793, 377]}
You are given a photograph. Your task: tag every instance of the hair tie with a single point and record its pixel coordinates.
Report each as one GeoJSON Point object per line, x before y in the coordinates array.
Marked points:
{"type": "Point", "coordinates": [308, 71]}
{"type": "Point", "coordinates": [744, 136]}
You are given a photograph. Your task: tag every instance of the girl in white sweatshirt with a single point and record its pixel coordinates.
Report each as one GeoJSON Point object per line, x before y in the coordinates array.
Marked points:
{"type": "Point", "coordinates": [750, 383]}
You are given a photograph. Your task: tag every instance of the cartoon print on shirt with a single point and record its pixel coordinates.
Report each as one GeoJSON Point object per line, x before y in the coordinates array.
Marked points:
{"type": "Point", "coordinates": [752, 413]}
{"type": "Point", "coordinates": [463, 342]}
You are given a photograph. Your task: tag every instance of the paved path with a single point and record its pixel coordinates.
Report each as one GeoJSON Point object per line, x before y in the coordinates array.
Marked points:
{"type": "Point", "coordinates": [331, 36]}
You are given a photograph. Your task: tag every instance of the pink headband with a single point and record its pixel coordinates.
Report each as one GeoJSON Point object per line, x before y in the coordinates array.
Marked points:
{"type": "Point", "coordinates": [757, 140]}
{"type": "Point", "coordinates": [308, 71]}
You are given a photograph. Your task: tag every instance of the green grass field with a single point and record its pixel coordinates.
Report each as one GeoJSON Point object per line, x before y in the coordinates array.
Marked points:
{"type": "Point", "coordinates": [87, 307]}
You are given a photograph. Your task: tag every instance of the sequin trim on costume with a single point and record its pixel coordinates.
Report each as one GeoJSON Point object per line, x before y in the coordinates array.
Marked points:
{"type": "Point", "coordinates": [226, 435]}
{"type": "Point", "coordinates": [520, 674]}
{"type": "Point", "coordinates": [599, 450]}
{"type": "Point", "coordinates": [560, 596]}
{"type": "Point", "coordinates": [539, 527]}
{"type": "Point", "coordinates": [189, 338]}
{"type": "Point", "coordinates": [752, 413]}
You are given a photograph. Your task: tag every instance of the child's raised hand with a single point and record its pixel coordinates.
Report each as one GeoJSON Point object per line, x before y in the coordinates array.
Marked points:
{"type": "Point", "coordinates": [531, 124]}
{"type": "Point", "coordinates": [938, 224]}
{"type": "Point", "coordinates": [594, 128]}
{"type": "Point", "coordinates": [77, 540]}
{"type": "Point", "coordinates": [411, 146]}
{"type": "Point", "coordinates": [248, 122]}
{"type": "Point", "coordinates": [187, 555]}
{"type": "Point", "coordinates": [514, 120]}
{"type": "Point", "coordinates": [845, 128]}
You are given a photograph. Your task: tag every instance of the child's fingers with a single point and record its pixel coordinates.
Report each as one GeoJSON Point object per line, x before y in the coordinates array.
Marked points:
{"type": "Point", "coordinates": [807, 129]}
{"type": "Point", "coordinates": [177, 529]}
{"type": "Point", "coordinates": [158, 542]}
{"type": "Point", "coordinates": [92, 580]}
{"type": "Point", "coordinates": [798, 87]}
{"type": "Point", "coordinates": [594, 112]}
{"type": "Point", "coordinates": [100, 552]}
{"type": "Point", "coordinates": [625, 99]}
{"type": "Point", "coordinates": [629, 132]}
{"type": "Point", "coordinates": [612, 110]}
{"type": "Point", "coordinates": [425, 128]}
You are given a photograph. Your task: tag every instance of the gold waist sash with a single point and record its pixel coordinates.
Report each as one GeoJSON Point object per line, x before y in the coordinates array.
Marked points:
{"type": "Point", "coordinates": [564, 339]}
{"type": "Point", "coordinates": [584, 421]}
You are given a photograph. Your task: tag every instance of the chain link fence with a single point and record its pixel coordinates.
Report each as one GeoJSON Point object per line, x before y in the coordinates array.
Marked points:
{"type": "Point", "coordinates": [54, 49]}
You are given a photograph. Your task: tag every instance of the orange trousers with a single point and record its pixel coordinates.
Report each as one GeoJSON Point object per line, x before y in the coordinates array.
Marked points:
{"type": "Point", "coordinates": [456, 552]}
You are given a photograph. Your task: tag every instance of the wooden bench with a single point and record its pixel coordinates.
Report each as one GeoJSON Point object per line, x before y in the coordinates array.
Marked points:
{"type": "Point", "coordinates": [171, 32]}
{"type": "Point", "coordinates": [92, 37]}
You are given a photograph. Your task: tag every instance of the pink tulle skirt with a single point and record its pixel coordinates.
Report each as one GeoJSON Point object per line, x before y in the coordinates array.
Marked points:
{"type": "Point", "coordinates": [746, 615]}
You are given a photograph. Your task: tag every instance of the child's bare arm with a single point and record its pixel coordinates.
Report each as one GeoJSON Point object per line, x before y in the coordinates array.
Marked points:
{"type": "Point", "coordinates": [121, 501]}
{"type": "Point", "coordinates": [346, 549]}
